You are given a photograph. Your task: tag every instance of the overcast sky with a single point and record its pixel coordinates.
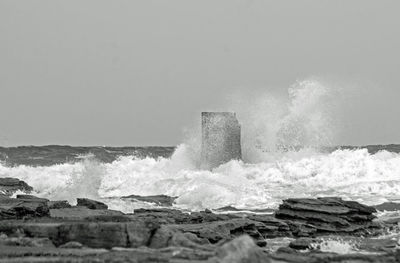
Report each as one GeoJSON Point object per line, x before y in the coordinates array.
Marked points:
{"type": "Point", "coordinates": [96, 72]}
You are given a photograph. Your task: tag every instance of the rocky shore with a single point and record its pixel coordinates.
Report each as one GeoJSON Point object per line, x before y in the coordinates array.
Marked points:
{"type": "Point", "coordinates": [329, 229]}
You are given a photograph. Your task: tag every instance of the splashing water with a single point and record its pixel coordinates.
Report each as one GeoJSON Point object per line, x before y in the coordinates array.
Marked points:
{"type": "Point", "coordinates": [352, 174]}
{"type": "Point", "coordinates": [281, 160]}
{"type": "Point", "coordinates": [338, 246]}
{"type": "Point", "coordinates": [307, 118]}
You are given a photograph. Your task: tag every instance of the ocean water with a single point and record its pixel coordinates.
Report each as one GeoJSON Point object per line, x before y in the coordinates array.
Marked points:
{"type": "Point", "coordinates": [370, 175]}
{"type": "Point", "coordinates": [288, 147]}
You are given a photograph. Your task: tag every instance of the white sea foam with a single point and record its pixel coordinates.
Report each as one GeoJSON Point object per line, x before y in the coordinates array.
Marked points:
{"type": "Point", "coordinates": [352, 174]}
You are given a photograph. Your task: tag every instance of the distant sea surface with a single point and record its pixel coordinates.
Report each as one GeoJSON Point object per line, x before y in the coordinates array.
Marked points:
{"type": "Point", "coordinates": [58, 154]}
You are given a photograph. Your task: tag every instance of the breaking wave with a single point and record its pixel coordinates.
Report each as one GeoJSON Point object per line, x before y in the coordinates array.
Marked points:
{"type": "Point", "coordinates": [282, 159]}
{"type": "Point", "coordinates": [351, 174]}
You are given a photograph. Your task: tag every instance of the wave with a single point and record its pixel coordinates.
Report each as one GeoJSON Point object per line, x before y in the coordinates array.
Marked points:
{"type": "Point", "coordinates": [351, 174]}
{"type": "Point", "coordinates": [281, 145]}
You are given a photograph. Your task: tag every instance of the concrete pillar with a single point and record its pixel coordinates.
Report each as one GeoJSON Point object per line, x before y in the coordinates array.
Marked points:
{"type": "Point", "coordinates": [220, 139]}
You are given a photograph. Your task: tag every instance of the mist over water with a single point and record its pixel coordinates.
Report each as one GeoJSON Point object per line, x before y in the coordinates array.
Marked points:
{"type": "Point", "coordinates": [284, 142]}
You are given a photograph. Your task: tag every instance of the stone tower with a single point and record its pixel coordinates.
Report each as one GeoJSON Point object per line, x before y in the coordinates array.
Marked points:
{"type": "Point", "coordinates": [220, 139]}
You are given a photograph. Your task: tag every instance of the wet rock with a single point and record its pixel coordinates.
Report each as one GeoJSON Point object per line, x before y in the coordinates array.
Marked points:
{"type": "Point", "coordinates": [302, 243]}
{"type": "Point", "coordinates": [173, 216]}
{"type": "Point", "coordinates": [161, 200]}
{"type": "Point", "coordinates": [308, 217]}
{"type": "Point", "coordinates": [58, 204]}
{"type": "Point", "coordinates": [9, 186]}
{"type": "Point", "coordinates": [271, 227]}
{"type": "Point", "coordinates": [241, 250]}
{"type": "Point", "coordinates": [90, 234]}
{"type": "Point", "coordinates": [167, 236]}
{"type": "Point", "coordinates": [11, 208]}
{"type": "Point", "coordinates": [91, 204]}
{"type": "Point", "coordinates": [83, 213]}
{"type": "Point", "coordinates": [162, 215]}
{"type": "Point", "coordinates": [108, 234]}
{"type": "Point", "coordinates": [223, 230]}
{"type": "Point", "coordinates": [31, 197]}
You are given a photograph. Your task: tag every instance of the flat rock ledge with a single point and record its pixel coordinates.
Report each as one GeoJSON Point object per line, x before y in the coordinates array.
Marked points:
{"type": "Point", "coordinates": [40, 230]}
{"type": "Point", "coordinates": [310, 217]}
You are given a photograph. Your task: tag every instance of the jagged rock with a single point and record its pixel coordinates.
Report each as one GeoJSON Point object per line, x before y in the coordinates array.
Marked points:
{"type": "Point", "coordinates": [31, 197]}
{"type": "Point", "coordinates": [9, 186]}
{"type": "Point", "coordinates": [91, 204]}
{"type": "Point", "coordinates": [271, 227]}
{"type": "Point", "coordinates": [308, 217]}
{"type": "Point", "coordinates": [11, 208]}
{"type": "Point", "coordinates": [209, 232]}
{"type": "Point", "coordinates": [83, 213]}
{"type": "Point", "coordinates": [173, 216]}
{"type": "Point", "coordinates": [91, 234]}
{"type": "Point", "coordinates": [58, 204]}
{"type": "Point", "coordinates": [223, 230]}
{"type": "Point", "coordinates": [161, 200]}
{"type": "Point", "coordinates": [241, 250]}
{"type": "Point", "coordinates": [166, 236]}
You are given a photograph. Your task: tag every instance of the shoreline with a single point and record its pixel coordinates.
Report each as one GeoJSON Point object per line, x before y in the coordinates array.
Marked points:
{"type": "Point", "coordinates": [300, 230]}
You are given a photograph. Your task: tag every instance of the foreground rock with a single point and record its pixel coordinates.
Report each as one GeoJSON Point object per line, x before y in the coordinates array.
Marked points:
{"type": "Point", "coordinates": [308, 217]}
{"type": "Point", "coordinates": [9, 186]}
{"type": "Point", "coordinates": [91, 204]}
{"type": "Point", "coordinates": [92, 233]}
{"type": "Point", "coordinates": [58, 204]}
{"type": "Point", "coordinates": [12, 208]}
{"type": "Point", "coordinates": [241, 250]}
{"type": "Point", "coordinates": [82, 213]}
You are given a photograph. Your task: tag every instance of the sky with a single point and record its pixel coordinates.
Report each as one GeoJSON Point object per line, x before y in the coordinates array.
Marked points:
{"type": "Point", "coordinates": [130, 72]}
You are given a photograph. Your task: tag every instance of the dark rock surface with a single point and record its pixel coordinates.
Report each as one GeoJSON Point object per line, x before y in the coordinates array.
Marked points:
{"type": "Point", "coordinates": [241, 250]}
{"type": "Point", "coordinates": [81, 213]}
{"type": "Point", "coordinates": [81, 234]}
{"type": "Point", "coordinates": [91, 204]}
{"type": "Point", "coordinates": [58, 204]}
{"type": "Point", "coordinates": [9, 186]}
{"type": "Point", "coordinates": [308, 217]}
{"type": "Point", "coordinates": [91, 234]}
{"type": "Point", "coordinates": [161, 200]}
{"type": "Point", "coordinates": [302, 243]}
{"type": "Point", "coordinates": [12, 208]}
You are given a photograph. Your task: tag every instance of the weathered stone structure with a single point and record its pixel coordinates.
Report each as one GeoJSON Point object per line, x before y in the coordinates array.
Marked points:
{"type": "Point", "coordinates": [220, 139]}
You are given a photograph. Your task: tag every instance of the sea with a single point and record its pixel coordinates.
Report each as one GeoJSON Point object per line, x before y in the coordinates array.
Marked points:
{"type": "Point", "coordinates": [369, 174]}
{"type": "Point", "coordinates": [289, 150]}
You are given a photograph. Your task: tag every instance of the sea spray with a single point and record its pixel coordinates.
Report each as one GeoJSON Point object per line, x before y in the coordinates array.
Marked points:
{"type": "Point", "coordinates": [307, 116]}
{"type": "Point", "coordinates": [351, 174]}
